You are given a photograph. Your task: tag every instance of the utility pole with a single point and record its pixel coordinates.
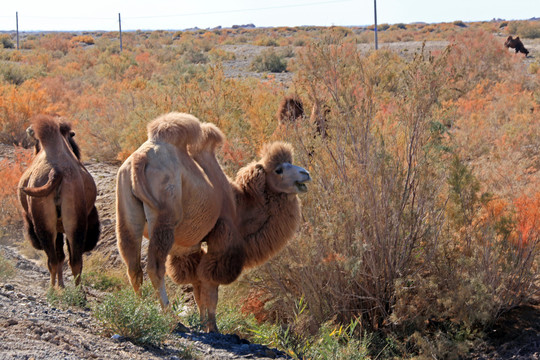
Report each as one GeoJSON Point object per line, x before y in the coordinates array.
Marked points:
{"type": "Point", "coordinates": [17, 22]}
{"type": "Point", "coordinates": [376, 40]}
{"type": "Point", "coordinates": [120, 27]}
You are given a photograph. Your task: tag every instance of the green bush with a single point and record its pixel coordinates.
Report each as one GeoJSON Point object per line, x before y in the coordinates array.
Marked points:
{"type": "Point", "coordinates": [269, 61]}
{"type": "Point", "coordinates": [67, 297]}
{"type": "Point", "coordinates": [6, 42]}
{"type": "Point", "coordinates": [15, 73]}
{"type": "Point", "coordinates": [138, 318]}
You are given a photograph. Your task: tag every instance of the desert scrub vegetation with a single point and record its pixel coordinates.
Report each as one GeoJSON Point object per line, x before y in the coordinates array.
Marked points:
{"type": "Point", "coordinates": [525, 29]}
{"type": "Point", "coordinates": [269, 61]}
{"type": "Point", "coordinates": [10, 173]}
{"type": "Point", "coordinates": [99, 276]}
{"type": "Point", "coordinates": [6, 41]}
{"type": "Point", "coordinates": [138, 318]}
{"type": "Point", "coordinates": [70, 296]}
{"type": "Point", "coordinates": [401, 232]}
{"type": "Point", "coordinates": [421, 225]}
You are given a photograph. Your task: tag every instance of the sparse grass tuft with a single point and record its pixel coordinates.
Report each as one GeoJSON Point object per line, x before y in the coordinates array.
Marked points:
{"type": "Point", "coordinates": [67, 297]}
{"type": "Point", "coordinates": [101, 277]}
{"type": "Point", "coordinates": [138, 318]}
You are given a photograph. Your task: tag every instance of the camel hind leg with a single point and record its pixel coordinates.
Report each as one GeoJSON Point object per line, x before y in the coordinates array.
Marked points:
{"type": "Point", "coordinates": [75, 227]}
{"type": "Point", "coordinates": [60, 256]}
{"type": "Point", "coordinates": [43, 235]}
{"type": "Point", "coordinates": [130, 222]}
{"type": "Point", "coordinates": [161, 240]}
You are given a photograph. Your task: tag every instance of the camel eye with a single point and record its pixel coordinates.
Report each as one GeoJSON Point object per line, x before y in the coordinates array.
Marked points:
{"type": "Point", "coordinates": [279, 170]}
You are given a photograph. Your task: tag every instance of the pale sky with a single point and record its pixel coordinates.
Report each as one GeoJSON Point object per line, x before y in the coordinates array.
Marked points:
{"type": "Point", "coordinates": [63, 15]}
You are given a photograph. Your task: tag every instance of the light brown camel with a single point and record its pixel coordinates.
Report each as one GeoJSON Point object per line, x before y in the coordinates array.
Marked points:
{"type": "Point", "coordinates": [57, 196]}
{"type": "Point", "coordinates": [267, 215]}
{"type": "Point", "coordinates": [171, 189]}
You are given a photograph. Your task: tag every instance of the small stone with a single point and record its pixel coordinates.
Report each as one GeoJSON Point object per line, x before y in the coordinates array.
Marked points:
{"type": "Point", "coordinates": [12, 322]}
{"type": "Point", "coordinates": [9, 287]}
{"type": "Point", "coordinates": [117, 337]}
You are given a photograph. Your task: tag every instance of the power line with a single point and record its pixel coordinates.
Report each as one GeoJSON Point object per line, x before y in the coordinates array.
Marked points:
{"type": "Point", "coordinates": [241, 10]}
{"type": "Point", "coordinates": [190, 14]}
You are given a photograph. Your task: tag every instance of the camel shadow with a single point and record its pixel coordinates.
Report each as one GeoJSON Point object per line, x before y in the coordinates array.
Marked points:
{"type": "Point", "coordinates": [232, 343]}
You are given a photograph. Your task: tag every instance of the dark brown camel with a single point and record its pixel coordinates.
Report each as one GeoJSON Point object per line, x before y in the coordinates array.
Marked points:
{"type": "Point", "coordinates": [290, 109]}
{"type": "Point", "coordinates": [516, 44]}
{"type": "Point", "coordinates": [57, 196]}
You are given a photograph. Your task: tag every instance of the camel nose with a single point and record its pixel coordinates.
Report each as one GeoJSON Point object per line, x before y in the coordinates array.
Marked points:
{"type": "Point", "coordinates": [305, 173]}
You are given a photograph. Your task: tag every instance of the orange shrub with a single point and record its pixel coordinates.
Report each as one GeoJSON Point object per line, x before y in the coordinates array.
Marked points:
{"type": "Point", "coordinates": [87, 39]}
{"type": "Point", "coordinates": [528, 218]}
{"type": "Point", "coordinates": [10, 173]}
{"type": "Point", "coordinates": [17, 105]}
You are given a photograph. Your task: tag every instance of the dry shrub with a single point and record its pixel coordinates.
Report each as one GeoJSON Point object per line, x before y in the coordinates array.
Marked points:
{"type": "Point", "coordinates": [371, 215]}
{"type": "Point", "coordinates": [477, 55]}
{"type": "Point", "coordinates": [397, 231]}
{"type": "Point", "coordinates": [525, 29]}
{"type": "Point", "coordinates": [10, 173]}
{"type": "Point", "coordinates": [17, 105]}
{"type": "Point", "coordinates": [87, 39]}
{"type": "Point", "coordinates": [56, 42]}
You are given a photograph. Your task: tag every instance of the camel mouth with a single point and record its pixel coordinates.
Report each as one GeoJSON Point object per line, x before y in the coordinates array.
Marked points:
{"type": "Point", "coordinates": [301, 186]}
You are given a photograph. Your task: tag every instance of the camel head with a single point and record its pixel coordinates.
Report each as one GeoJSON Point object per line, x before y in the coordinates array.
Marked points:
{"type": "Point", "coordinates": [281, 175]}
{"type": "Point", "coordinates": [65, 130]}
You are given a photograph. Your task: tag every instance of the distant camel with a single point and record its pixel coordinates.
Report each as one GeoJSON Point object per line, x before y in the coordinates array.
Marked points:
{"type": "Point", "coordinates": [57, 196]}
{"type": "Point", "coordinates": [290, 109]}
{"type": "Point", "coordinates": [267, 215]}
{"type": "Point", "coordinates": [319, 118]}
{"type": "Point", "coordinates": [516, 44]}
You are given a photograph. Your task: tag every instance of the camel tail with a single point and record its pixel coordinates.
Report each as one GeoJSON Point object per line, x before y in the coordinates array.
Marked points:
{"type": "Point", "coordinates": [93, 231]}
{"type": "Point", "coordinates": [139, 182]}
{"type": "Point", "coordinates": [55, 178]}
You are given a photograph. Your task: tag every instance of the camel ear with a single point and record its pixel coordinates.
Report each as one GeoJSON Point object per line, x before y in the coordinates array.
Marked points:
{"type": "Point", "coordinates": [30, 132]}
{"type": "Point", "coordinates": [517, 37]}
{"type": "Point", "coordinates": [72, 133]}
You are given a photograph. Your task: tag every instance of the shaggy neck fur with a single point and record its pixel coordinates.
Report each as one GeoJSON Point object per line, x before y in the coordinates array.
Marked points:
{"type": "Point", "coordinates": [278, 214]}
